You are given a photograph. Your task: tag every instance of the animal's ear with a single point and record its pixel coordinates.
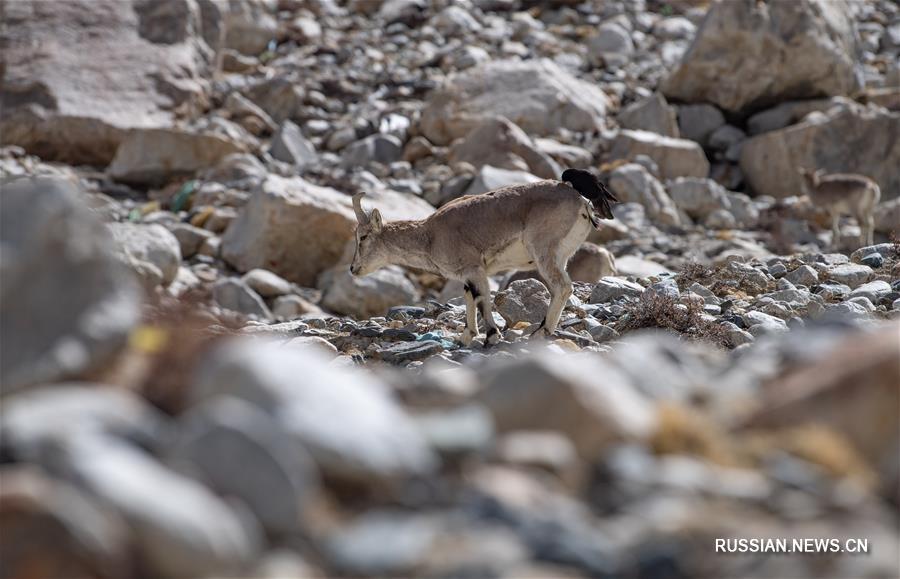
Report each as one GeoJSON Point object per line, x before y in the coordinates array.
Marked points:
{"type": "Point", "coordinates": [375, 219]}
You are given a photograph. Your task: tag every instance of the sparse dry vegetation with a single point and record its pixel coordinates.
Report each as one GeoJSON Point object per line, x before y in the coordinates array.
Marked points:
{"type": "Point", "coordinates": [667, 313]}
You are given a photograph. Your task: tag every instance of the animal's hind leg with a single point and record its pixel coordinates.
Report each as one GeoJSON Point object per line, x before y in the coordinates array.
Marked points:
{"type": "Point", "coordinates": [479, 281]}
{"type": "Point", "coordinates": [560, 285]}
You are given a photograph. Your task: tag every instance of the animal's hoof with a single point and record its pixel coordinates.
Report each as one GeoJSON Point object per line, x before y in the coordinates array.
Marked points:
{"type": "Point", "coordinates": [466, 337]}
{"type": "Point", "coordinates": [540, 331]}
{"type": "Point", "coordinates": [493, 338]}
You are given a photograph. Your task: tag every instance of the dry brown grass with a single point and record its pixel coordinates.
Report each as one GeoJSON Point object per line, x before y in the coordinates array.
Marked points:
{"type": "Point", "coordinates": [665, 312]}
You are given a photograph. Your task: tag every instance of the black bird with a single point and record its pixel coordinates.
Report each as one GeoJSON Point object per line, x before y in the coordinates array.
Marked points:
{"type": "Point", "coordinates": [591, 188]}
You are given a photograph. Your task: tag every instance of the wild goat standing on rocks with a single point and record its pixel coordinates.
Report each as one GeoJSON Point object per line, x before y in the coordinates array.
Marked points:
{"type": "Point", "coordinates": [841, 193]}
{"type": "Point", "coordinates": [523, 227]}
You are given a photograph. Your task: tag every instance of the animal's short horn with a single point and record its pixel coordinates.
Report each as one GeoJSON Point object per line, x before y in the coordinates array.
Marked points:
{"type": "Point", "coordinates": [357, 207]}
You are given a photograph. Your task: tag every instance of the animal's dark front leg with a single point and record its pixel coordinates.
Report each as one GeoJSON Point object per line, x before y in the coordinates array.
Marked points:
{"type": "Point", "coordinates": [482, 286]}
{"type": "Point", "coordinates": [471, 330]}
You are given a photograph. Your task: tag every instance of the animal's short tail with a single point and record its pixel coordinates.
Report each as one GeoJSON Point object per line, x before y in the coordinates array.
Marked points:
{"type": "Point", "coordinates": [592, 189]}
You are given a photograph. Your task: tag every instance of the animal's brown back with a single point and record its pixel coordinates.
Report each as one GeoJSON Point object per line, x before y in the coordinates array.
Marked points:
{"type": "Point", "coordinates": [840, 185]}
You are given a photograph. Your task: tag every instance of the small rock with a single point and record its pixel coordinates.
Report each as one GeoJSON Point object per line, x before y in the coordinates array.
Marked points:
{"type": "Point", "coordinates": [190, 238]}
{"type": "Point", "coordinates": [489, 178]}
{"type": "Point", "coordinates": [651, 114]}
{"type": "Point", "coordinates": [759, 323]}
{"type": "Point", "coordinates": [803, 275]}
{"type": "Point", "coordinates": [289, 145]}
{"type": "Point", "coordinates": [699, 198]}
{"type": "Point", "coordinates": [67, 303]}
{"type": "Point", "coordinates": [873, 291]}
{"type": "Point", "coordinates": [235, 295]}
{"type": "Point", "coordinates": [464, 430]}
{"type": "Point", "coordinates": [381, 543]}
{"type": "Point", "coordinates": [633, 183]}
{"type": "Point", "coordinates": [850, 274]}
{"type": "Point", "coordinates": [873, 260]}
{"type": "Point", "coordinates": [543, 449]}
{"type": "Point", "coordinates": [612, 288]}
{"type": "Point", "coordinates": [148, 244]}
{"type": "Point", "coordinates": [603, 333]}
{"type": "Point", "coordinates": [266, 283]}
{"type": "Point", "coordinates": [377, 148]}
{"type": "Point", "coordinates": [405, 352]}
{"type": "Point", "coordinates": [698, 122]}
{"type": "Point", "coordinates": [524, 300]}
{"type": "Point", "coordinates": [66, 532]}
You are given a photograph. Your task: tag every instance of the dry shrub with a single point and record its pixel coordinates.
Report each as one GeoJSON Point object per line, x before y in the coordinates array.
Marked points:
{"type": "Point", "coordinates": [659, 311]}
{"type": "Point", "coordinates": [720, 280]}
{"type": "Point", "coordinates": [692, 272]}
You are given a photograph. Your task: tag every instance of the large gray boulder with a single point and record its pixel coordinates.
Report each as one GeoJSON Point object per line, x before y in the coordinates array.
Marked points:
{"type": "Point", "coordinates": [748, 54]}
{"type": "Point", "coordinates": [298, 230]}
{"type": "Point", "coordinates": [242, 453]}
{"type": "Point", "coordinates": [500, 143]}
{"type": "Point", "coordinates": [537, 95]}
{"type": "Point", "coordinates": [489, 178]}
{"type": "Point", "coordinates": [652, 114]}
{"type": "Point", "coordinates": [585, 399]}
{"type": "Point", "coordinates": [698, 198]}
{"type": "Point", "coordinates": [632, 183]}
{"type": "Point", "coordinates": [181, 528]}
{"type": "Point", "coordinates": [674, 157]}
{"type": "Point", "coordinates": [66, 301]}
{"type": "Point", "coordinates": [104, 67]}
{"type": "Point", "coordinates": [848, 140]}
{"type": "Point", "coordinates": [374, 440]}
{"type": "Point", "coordinates": [367, 296]}
{"type": "Point", "coordinates": [154, 156]}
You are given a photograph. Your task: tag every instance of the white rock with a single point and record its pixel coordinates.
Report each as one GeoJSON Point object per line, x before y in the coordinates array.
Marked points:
{"type": "Point", "coordinates": [490, 178]}
{"type": "Point", "coordinates": [632, 183]}
{"type": "Point", "coordinates": [500, 143]}
{"type": "Point", "coordinates": [747, 53]}
{"type": "Point", "coordinates": [675, 157]}
{"type": "Point", "coordinates": [868, 146]}
{"type": "Point", "coordinates": [536, 95]}
{"type": "Point", "coordinates": [266, 283]}
{"type": "Point", "coordinates": [699, 198]}
{"type": "Point", "coordinates": [297, 229]}
{"type": "Point", "coordinates": [54, 248]}
{"type": "Point", "coordinates": [651, 114]}
{"type": "Point", "coordinates": [152, 244]}
{"type": "Point", "coordinates": [153, 156]}
{"type": "Point", "coordinates": [133, 69]}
